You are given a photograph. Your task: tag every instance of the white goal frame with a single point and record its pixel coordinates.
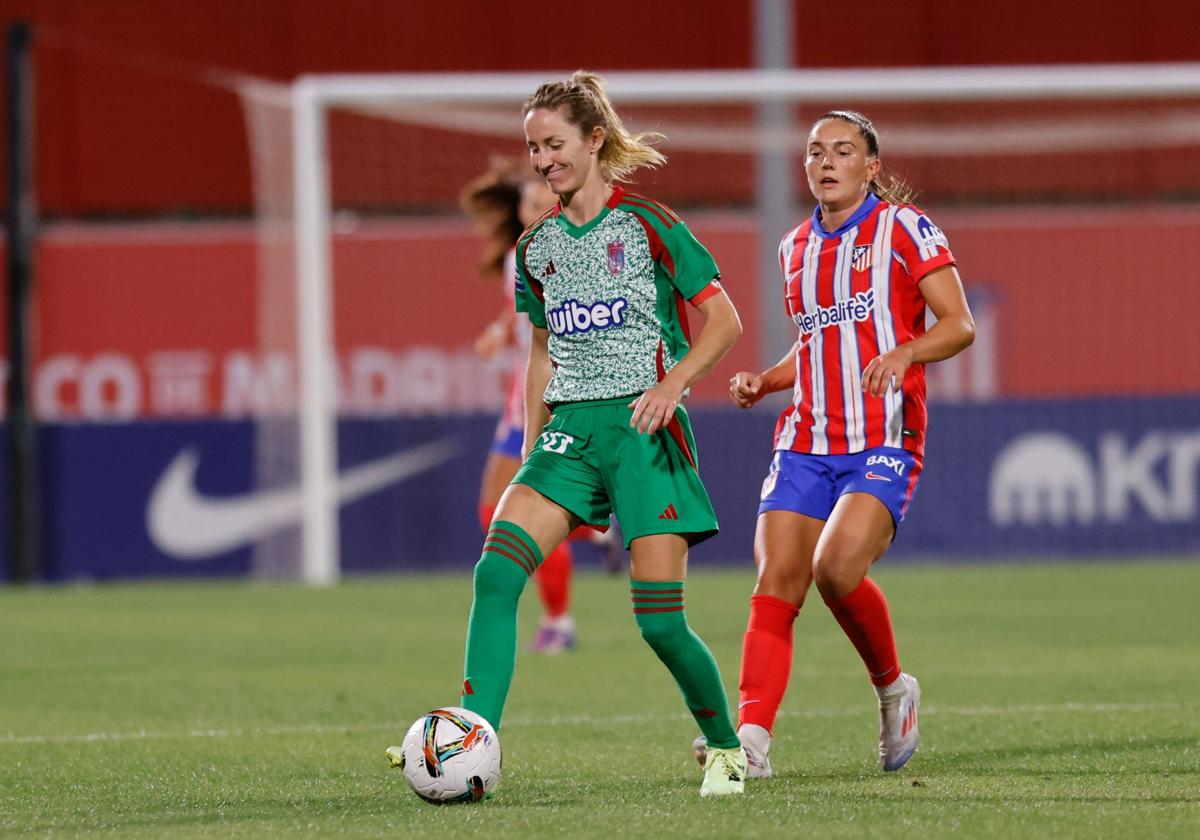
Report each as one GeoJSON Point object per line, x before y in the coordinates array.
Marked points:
{"type": "Point", "coordinates": [313, 96]}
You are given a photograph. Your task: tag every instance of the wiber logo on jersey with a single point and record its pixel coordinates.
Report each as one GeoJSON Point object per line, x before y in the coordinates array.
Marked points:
{"type": "Point", "coordinates": [858, 308]}
{"type": "Point", "coordinates": [616, 256]}
{"type": "Point", "coordinates": [931, 234]}
{"type": "Point", "coordinates": [576, 317]}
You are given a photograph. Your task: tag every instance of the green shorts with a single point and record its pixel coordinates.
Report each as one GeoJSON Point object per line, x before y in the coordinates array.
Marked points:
{"type": "Point", "coordinates": [592, 462]}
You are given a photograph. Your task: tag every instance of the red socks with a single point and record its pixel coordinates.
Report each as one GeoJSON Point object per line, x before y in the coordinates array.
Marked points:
{"type": "Point", "coordinates": [767, 647]}
{"type": "Point", "coordinates": [766, 660]}
{"type": "Point", "coordinates": [554, 580]}
{"type": "Point", "coordinates": [583, 532]}
{"type": "Point", "coordinates": [864, 617]}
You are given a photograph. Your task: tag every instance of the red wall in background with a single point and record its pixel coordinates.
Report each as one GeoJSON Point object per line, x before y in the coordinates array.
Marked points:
{"type": "Point", "coordinates": [142, 321]}
{"type": "Point", "coordinates": [132, 117]}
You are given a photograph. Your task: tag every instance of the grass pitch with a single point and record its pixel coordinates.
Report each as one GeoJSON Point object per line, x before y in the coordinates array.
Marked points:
{"type": "Point", "coordinates": [1059, 701]}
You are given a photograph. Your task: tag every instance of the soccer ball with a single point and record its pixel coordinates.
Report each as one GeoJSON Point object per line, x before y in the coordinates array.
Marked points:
{"type": "Point", "coordinates": [450, 755]}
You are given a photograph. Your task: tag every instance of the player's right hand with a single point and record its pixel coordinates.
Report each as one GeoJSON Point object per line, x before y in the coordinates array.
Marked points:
{"type": "Point", "coordinates": [745, 388]}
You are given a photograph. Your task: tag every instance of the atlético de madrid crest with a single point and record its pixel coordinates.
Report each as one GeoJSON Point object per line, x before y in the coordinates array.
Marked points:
{"type": "Point", "coordinates": [616, 256]}
{"type": "Point", "coordinates": [862, 257]}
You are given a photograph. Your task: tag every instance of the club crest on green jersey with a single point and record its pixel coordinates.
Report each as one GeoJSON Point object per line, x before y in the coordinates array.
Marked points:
{"type": "Point", "coordinates": [616, 256]}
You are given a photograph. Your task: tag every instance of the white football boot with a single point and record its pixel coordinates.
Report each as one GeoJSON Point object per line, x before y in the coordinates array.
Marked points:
{"type": "Point", "coordinates": [898, 734]}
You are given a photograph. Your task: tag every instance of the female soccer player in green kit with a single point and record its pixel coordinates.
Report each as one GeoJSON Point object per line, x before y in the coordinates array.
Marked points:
{"type": "Point", "coordinates": [603, 277]}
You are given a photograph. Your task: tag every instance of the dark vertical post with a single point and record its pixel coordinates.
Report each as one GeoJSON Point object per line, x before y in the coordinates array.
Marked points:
{"type": "Point", "coordinates": [24, 521]}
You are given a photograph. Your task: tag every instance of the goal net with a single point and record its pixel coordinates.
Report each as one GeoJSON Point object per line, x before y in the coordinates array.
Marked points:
{"type": "Point", "coordinates": [1070, 196]}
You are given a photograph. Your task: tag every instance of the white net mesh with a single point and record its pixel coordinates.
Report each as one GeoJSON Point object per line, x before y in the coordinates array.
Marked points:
{"type": "Point", "coordinates": [411, 158]}
{"type": "Point", "coordinates": [269, 374]}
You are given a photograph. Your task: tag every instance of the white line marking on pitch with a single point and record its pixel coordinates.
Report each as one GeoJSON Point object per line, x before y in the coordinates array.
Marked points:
{"type": "Point", "coordinates": [393, 726]}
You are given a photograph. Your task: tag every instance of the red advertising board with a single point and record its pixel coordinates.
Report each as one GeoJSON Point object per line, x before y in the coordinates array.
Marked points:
{"type": "Point", "coordinates": [162, 321]}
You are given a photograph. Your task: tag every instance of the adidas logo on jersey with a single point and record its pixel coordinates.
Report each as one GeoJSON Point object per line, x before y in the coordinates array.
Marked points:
{"type": "Point", "coordinates": [576, 317]}
{"type": "Point", "coordinates": [858, 308]}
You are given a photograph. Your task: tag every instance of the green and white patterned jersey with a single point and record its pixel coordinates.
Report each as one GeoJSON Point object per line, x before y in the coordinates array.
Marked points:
{"type": "Point", "coordinates": [611, 294]}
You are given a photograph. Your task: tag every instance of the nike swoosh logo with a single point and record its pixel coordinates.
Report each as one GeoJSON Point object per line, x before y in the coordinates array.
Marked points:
{"type": "Point", "coordinates": [745, 703]}
{"type": "Point", "coordinates": [875, 477]}
{"type": "Point", "coordinates": [190, 526]}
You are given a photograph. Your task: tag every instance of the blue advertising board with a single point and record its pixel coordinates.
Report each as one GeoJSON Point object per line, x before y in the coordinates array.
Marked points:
{"type": "Point", "coordinates": [1053, 478]}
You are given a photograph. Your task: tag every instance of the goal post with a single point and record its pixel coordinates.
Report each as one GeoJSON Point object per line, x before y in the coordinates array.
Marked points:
{"type": "Point", "coordinates": [318, 410]}
{"type": "Point", "coordinates": [942, 100]}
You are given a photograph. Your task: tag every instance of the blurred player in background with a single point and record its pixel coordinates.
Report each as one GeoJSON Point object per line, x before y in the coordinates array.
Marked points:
{"type": "Point", "coordinates": [603, 276]}
{"type": "Point", "coordinates": [858, 277]}
{"type": "Point", "coordinates": [503, 202]}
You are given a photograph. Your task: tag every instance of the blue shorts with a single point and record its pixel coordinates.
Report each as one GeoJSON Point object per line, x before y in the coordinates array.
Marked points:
{"type": "Point", "coordinates": [812, 484]}
{"type": "Point", "coordinates": [508, 440]}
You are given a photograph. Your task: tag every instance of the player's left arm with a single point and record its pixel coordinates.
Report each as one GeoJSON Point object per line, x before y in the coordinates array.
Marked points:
{"type": "Point", "coordinates": [722, 326]}
{"type": "Point", "coordinates": [538, 371]}
{"type": "Point", "coordinates": [954, 332]}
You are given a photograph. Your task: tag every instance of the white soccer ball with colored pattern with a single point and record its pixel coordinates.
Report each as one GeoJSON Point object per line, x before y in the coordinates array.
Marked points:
{"type": "Point", "coordinates": [451, 755]}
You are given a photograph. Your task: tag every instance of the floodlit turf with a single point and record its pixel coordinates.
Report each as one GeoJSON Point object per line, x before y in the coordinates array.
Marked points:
{"type": "Point", "coordinates": [1059, 701]}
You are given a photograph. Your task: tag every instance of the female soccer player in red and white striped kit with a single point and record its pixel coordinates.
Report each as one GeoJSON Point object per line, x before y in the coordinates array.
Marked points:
{"type": "Point", "coordinates": [858, 276]}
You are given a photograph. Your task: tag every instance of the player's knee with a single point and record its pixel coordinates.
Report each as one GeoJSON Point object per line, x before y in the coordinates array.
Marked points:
{"type": "Point", "coordinates": [496, 575]}
{"type": "Point", "coordinates": [658, 639]}
{"type": "Point", "coordinates": [662, 636]}
{"type": "Point", "coordinates": [789, 588]}
{"type": "Point", "coordinates": [836, 572]}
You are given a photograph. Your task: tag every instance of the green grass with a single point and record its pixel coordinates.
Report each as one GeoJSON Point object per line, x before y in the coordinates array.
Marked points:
{"type": "Point", "coordinates": [1059, 701]}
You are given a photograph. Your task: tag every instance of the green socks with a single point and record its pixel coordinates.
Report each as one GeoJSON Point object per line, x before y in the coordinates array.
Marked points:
{"type": "Point", "coordinates": [510, 557]}
{"type": "Point", "coordinates": [658, 608]}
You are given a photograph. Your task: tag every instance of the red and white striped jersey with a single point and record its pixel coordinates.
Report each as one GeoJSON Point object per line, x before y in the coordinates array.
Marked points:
{"type": "Point", "coordinates": [514, 407]}
{"type": "Point", "coordinates": [853, 293]}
